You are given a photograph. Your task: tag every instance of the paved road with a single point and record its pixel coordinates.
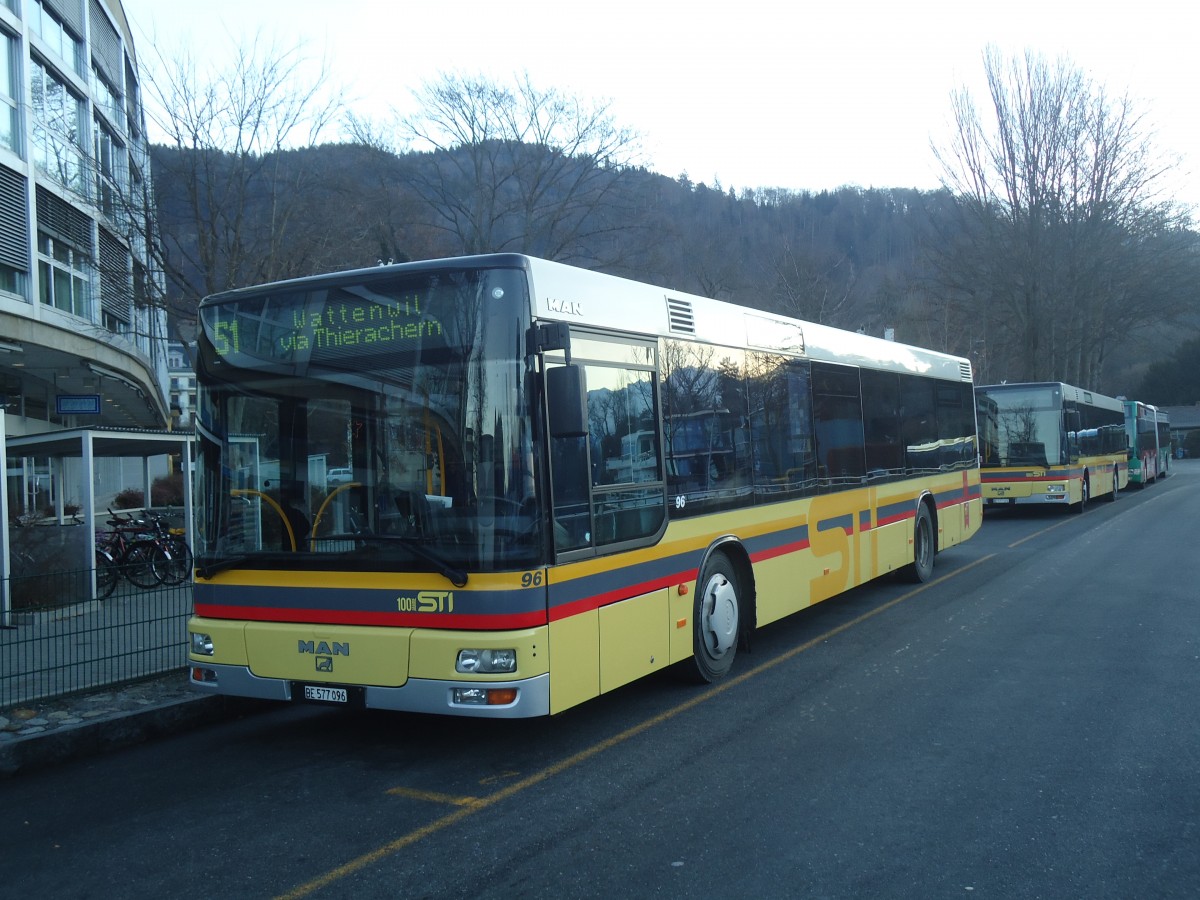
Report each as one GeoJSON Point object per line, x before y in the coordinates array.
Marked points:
{"type": "Point", "coordinates": [1026, 726]}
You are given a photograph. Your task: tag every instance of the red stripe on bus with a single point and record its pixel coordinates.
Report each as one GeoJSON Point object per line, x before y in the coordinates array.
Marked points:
{"type": "Point", "coordinates": [360, 617]}
{"type": "Point", "coordinates": [595, 601]}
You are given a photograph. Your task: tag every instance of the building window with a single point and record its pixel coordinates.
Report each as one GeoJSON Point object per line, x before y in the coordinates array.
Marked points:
{"type": "Point", "coordinates": [12, 281]}
{"type": "Point", "coordinates": [65, 276]}
{"type": "Point", "coordinates": [54, 34]}
{"type": "Point", "coordinates": [10, 121]}
{"type": "Point", "coordinates": [14, 235]}
{"type": "Point", "coordinates": [58, 129]}
{"type": "Point", "coordinates": [110, 173]}
{"type": "Point", "coordinates": [107, 98]}
{"type": "Point", "coordinates": [115, 324]}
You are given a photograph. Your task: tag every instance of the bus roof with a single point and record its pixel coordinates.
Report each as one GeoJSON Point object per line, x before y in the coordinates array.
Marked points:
{"type": "Point", "coordinates": [1069, 392]}
{"type": "Point", "coordinates": [592, 299]}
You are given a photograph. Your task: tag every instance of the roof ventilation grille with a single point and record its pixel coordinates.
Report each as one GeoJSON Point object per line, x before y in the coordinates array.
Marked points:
{"type": "Point", "coordinates": [679, 315]}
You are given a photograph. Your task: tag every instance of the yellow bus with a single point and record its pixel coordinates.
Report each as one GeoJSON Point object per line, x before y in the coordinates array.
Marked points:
{"type": "Point", "coordinates": [1049, 443]}
{"type": "Point", "coordinates": [549, 482]}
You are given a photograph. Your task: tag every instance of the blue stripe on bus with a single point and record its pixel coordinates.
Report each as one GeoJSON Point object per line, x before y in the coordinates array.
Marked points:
{"type": "Point", "coordinates": [382, 600]}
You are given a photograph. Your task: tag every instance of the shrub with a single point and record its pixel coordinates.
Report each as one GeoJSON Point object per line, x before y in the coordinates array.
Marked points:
{"type": "Point", "coordinates": [167, 491]}
{"type": "Point", "coordinates": [130, 498]}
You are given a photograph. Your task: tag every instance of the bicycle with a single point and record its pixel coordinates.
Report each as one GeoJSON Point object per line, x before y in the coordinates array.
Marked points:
{"type": "Point", "coordinates": [174, 542]}
{"type": "Point", "coordinates": [140, 557]}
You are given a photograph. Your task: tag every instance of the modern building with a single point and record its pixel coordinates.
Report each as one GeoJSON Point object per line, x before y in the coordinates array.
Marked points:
{"type": "Point", "coordinates": [182, 394]}
{"type": "Point", "coordinates": [82, 337]}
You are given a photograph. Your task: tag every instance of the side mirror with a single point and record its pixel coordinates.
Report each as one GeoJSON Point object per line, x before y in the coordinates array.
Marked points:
{"type": "Point", "coordinates": [565, 392]}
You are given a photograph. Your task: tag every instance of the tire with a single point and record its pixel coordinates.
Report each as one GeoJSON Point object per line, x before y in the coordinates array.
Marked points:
{"type": "Point", "coordinates": [107, 575]}
{"type": "Point", "coordinates": [1116, 485]}
{"type": "Point", "coordinates": [143, 564]}
{"type": "Point", "coordinates": [924, 547]}
{"type": "Point", "coordinates": [1087, 495]}
{"type": "Point", "coordinates": [162, 563]}
{"type": "Point", "coordinates": [179, 568]}
{"type": "Point", "coordinates": [716, 617]}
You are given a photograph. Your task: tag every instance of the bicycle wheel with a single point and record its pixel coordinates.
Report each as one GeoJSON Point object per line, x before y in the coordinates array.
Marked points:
{"type": "Point", "coordinates": [107, 575]}
{"type": "Point", "coordinates": [179, 569]}
{"type": "Point", "coordinates": [162, 562]}
{"type": "Point", "coordinates": [142, 564]}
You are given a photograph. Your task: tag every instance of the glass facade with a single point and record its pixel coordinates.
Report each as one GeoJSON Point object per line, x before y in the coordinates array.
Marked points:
{"type": "Point", "coordinates": [10, 120]}
{"type": "Point", "coordinates": [71, 172]}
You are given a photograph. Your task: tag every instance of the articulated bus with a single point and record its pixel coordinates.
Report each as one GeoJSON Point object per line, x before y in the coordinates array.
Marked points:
{"type": "Point", "coordinates": [1148, 432]}
{"type": "Point", "coordinates": [1049, 443]}
{"type": "Point", "coordinates": [550, 482]}
{"type": "Point", "coordinates": [1166, 446]}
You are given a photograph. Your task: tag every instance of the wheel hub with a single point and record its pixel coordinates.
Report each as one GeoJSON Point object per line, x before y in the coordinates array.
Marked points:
{"type": "Point", "coordinates": [720, 619]}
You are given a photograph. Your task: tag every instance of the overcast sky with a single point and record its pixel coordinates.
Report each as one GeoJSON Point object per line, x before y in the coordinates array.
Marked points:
{"type": "Point", "coordinates": [750, 93]}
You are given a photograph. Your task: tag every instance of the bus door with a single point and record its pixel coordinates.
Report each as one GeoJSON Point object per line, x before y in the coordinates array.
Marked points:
{"type": "Point", "coordinates": [606, 476]}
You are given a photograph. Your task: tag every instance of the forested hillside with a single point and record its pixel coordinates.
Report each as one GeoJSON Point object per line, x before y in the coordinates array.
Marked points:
{"type": "Point", "coordinates": [854, 258]}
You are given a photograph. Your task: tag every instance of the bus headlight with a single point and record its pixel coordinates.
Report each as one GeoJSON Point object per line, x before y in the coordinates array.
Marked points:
{"type": "Point", "coordinates": [1056, 488]}
{"type": "Point", "coordinates": [202, 644]}
{"type": "Point", "coordinates": [486, 662]}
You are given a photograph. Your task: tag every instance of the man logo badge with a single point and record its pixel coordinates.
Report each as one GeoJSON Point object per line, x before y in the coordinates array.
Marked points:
{"type": "Point", "coordinates": [324, 663]}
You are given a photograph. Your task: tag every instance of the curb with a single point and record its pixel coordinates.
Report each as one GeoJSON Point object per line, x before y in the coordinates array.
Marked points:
{"type": "Point", "coordinates": [37, 751]}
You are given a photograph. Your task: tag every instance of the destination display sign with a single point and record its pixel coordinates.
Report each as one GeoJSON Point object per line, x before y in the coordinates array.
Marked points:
{"type": "Point", "coordinates": [319, 325]}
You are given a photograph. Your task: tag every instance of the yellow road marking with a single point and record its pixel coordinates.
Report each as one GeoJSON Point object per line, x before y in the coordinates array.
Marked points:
{"type": "Point", "coordinates": [1030, 537]}
{"type": "Point", "coordinates": [482, 803]}
{"type": "Point", "coordinates": [432, 796]}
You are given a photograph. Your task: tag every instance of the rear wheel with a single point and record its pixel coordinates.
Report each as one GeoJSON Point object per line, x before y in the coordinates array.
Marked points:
{"type": "Point", "coordinates": [143, 564]}
{"type": "Point", "coordinates": [924, 547]}
{"type": "Point", "coordinates": [715, 614]}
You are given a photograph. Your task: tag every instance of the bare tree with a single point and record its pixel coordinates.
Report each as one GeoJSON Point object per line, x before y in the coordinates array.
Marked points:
{"type": "Point", "coordinates": [812, 285]}
{"type": "Point", "coordinates": [1062, 244]}
{"type": "Point", "coordinates": [516, 168]}
{"type": "Point", "coordinates": [223, 173]}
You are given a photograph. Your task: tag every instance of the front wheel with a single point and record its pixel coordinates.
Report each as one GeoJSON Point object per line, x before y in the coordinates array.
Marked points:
{"type": "Point", "coordinates": [107, 575]}
{"type": "Point", "coordinates": [715, 614]}
{"type": "Point", "coordinates": [179, 566]}
{"type": "Point", "coordinates": [1085, 495]}
{"type": "Point", "coordinates": [924, 547]}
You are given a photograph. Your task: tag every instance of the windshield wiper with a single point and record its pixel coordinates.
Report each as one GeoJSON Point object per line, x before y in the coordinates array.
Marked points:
{"type": "Point", "coordinates": [455, 576]}
{"type": "Point", "coordinates": [208, 566]}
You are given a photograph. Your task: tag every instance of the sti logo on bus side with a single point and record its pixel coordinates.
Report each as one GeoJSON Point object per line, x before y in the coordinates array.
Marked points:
{"type": "Point", "coordinates": [566, 307]}
{"type": "Point", "coordinates": [427, 602]}
{"type": "Point", "coordinates": [324, 648]}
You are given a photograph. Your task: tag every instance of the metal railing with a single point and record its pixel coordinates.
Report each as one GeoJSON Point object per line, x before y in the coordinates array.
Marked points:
{"type": "Point", "coordinates": [57, 639]}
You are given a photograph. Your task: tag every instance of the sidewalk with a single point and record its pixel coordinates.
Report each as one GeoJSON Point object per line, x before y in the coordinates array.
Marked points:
{"type": "Point", "coordinates": [44, 733]}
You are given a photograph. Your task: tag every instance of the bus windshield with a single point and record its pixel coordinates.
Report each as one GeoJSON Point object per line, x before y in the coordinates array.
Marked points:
{"type": "Point", "coordinates": [1026, 427]}
{"type": "Point", "coordinates": [370, 422]}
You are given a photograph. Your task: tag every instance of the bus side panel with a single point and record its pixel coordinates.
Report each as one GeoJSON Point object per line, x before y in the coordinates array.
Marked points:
{"type": "Point", "coordinates": [575, 643]}
{"type": "Point", "coordinates": [781, 586]}
{"type": "Point", "coordinates": [892, 538]}
{"type": "Point", "coordinates": [960, 510]}
{"type": "Point", "coordinates": [634, 638]}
